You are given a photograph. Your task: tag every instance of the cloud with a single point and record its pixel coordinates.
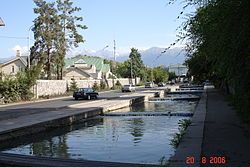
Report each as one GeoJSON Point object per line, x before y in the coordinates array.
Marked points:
{"type": "Point", "coordinates": [23, 50]}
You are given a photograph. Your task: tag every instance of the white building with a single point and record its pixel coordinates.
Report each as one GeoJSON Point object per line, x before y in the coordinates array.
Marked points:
{"type": "Point", "coordinates": [178, 69]}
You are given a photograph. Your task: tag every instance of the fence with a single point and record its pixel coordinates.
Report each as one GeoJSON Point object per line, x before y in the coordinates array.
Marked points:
{"type": "Point", "coordinates": [57, 87]}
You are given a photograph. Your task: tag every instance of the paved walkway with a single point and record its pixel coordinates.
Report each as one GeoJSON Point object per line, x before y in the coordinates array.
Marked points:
{"type": "Point", "coordinates": [224, 134]}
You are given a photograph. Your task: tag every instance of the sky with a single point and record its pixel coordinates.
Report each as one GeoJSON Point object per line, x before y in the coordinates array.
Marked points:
{"type": "Point", "coordinates": [131, 23]}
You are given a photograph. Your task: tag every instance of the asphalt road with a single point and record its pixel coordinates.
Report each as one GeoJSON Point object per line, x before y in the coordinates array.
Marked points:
{"type": "Point", "coordinates": [14, 111]}
{"type": "Point", "coordinates": [22, 109]}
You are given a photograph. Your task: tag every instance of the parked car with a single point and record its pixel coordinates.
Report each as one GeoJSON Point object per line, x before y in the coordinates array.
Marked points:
{"type": "Point", "coordinates": [128, 88]}
{"type": "Point", "coordinates": [85, 93]}
{"type": "Point", "coordinates": [161, 84]}
{"type": "Point", "coordinates": [149, 85]}
{"type": "Point", "coordinates": [208, 85]}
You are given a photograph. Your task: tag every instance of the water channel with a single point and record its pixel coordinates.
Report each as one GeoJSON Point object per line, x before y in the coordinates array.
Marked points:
{"type": "Point", "coordinates": [133, 139]}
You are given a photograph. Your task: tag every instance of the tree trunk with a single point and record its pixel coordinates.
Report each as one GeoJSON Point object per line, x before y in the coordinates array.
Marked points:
{"type": "Point", "coordinates": [61, 72]}
{"type": "Point", "coordinates": [48, 65]}
{"type": "Point", "coordinates": [57, 72]}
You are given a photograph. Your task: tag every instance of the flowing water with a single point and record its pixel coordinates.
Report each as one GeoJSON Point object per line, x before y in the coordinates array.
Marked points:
{"type": "Point", "coordinates": [134, 139]}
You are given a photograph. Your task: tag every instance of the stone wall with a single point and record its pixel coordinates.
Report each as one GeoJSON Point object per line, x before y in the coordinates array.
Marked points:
{"type": "Point", "coordinates": [49, 87]}
{"type": "Point", "coordinates": [57, 87]}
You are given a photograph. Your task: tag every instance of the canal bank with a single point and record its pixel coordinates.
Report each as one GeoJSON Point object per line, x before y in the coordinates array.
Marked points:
{"type": "Point", "coordinates": [30, 125]}
{"type": "Point", "coordinates": [34, 123]}
{"type": "Point", "coordinates": [190, 145]}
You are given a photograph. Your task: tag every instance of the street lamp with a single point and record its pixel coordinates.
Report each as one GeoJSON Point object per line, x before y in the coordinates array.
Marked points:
{"type": "Point", "coordinates": [1, 22]}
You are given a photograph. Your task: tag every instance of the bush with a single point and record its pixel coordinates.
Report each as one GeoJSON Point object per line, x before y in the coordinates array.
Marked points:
{"type": "Point", "coordinates": [118, 84]}
{"type": "Point", "coordinates": [73, 85]}
{"type": "Point", "coordinates": [102, 85]}
{"type": "Point", "coordinates": [183, 124]}
{"type": "Point", "coordinates": [26, 81]}
{"type": "Point", "coordinates": [16, 88]}
{"type": "Point", "coordinates": [96, 86]}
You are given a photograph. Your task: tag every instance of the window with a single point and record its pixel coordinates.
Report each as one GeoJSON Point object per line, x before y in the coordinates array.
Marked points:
{"type": "Point", "coordinates": [12, 69]}
{"type": "Point", "coordinates": [20, 68]}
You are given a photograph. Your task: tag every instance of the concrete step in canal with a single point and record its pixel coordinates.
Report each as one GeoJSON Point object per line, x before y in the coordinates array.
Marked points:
{"type": "Point", "coordinates": [188, 97]}
{"type": "Point", "coordinates": [184, 114]}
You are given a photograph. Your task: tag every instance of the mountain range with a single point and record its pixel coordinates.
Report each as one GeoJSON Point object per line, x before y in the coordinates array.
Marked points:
{"type": "Point", "coordinates": [149, 56]}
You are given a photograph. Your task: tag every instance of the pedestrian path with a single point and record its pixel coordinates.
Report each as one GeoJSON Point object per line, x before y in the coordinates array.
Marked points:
{"type": "Point", "coordinates": [224, 135]}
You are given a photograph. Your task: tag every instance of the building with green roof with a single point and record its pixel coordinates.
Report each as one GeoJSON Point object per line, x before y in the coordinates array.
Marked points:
{"type": "Point", "coordinates": [86, 67]}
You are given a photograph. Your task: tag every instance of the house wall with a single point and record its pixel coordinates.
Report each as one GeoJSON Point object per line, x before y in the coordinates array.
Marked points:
{"type": "Point", "coordinates": [75, 74]}
{"type": "Point", "coordinates": [57, 87]}
{"type": "Point", "coordinates": [78, 75]}
{"type": "Point", "coordinates": [178, 70]}
{"type": "Point", "coordinates": [7, 69]}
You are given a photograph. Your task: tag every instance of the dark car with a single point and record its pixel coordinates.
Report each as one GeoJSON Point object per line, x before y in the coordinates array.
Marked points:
{"type": "Point", "coordinates": [85, 93]}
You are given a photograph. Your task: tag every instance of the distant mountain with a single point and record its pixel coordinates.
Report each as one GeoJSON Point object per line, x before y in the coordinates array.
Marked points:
{"type": "Point", "coordinates": [171, 56]}
{"type": "Point", "coordinates": [149, 56]}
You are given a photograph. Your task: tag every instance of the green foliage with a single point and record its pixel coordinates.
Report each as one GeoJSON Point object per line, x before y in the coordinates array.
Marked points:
{"type": "Point", "coordinates": [136, 63]}
{"type": "Point", "coordinates": [124, 69]}
{"type": "Point", "coordinates": [73, 85]}
{"type": "Point", "coordinates": [102, 85]}
{"type": "Point", "coordinates": [25, 82]}
{"type": "Point", "coordinates": [118, 85]}
{"type": "Point", "coordinates": [183, 124]}
{"type": "Point", "coordinates": [55, 30]}
{"type": "Point", "coordinates": [16, 88]}
{"type": "Point", "coordinates": [133, 67]}
{"type": "Point", "coordinates": [171, 76]}
{"type": "Point", "coordinates": [160, 74]}
{"type": "Point", "coordinates": [96, 86]}
{"type": "Point", "coordinates": [218, 40]}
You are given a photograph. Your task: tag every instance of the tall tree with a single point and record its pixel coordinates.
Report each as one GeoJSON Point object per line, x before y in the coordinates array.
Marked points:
{"type": "Point", "coordinates": [136, 63]}
{"type": "Point", "coordinates": [55, 31]}
{"type": "Point", "coordinates": [46, 27]}
{"type": "Point", "coordinates": [70, 36]}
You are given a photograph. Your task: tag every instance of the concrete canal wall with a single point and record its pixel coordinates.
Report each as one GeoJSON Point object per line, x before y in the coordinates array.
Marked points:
{"type": "Point", "coordinates": [191, 143]}
{"type": "Point", "coordinates": [30, 124]}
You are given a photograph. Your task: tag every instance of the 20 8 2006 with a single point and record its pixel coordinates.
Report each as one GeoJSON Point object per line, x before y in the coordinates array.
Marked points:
{"type": "Point", "coordinates": [207, 160]}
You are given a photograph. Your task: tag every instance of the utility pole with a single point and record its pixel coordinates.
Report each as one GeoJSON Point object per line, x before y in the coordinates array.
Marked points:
{"type": "Point", "coordinates": [131, 72]}
{"type": "Point", "coordinates": [114, 65]}
{"type": "Point", "coordinates": [114, 51]}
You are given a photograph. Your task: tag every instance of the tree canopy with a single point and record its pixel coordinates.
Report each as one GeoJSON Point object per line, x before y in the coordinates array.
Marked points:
{"type": "Point", "coordinates": [55, 30]}
{"type": "Point", "coordinates": [218, 47]}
